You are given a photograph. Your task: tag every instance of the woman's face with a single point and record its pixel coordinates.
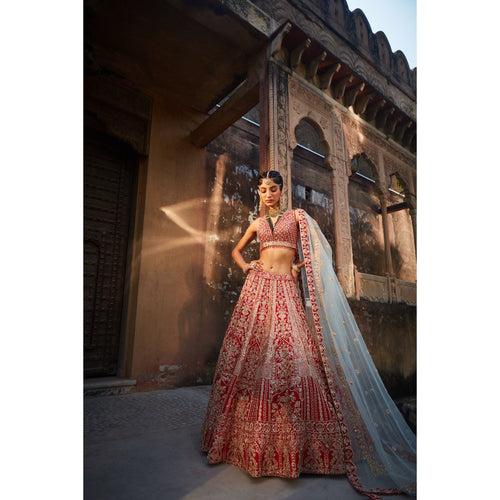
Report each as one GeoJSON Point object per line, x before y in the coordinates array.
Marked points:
{"type": "Point", "coordinates": [269, 193]}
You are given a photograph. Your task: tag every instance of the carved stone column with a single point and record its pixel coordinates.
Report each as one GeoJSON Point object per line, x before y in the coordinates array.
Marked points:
{"type": "Point", "coordinates": [385, 225]}
{"type": "Point", "coordinates": [343, 243]}
{"type": "Point", "coordinates": [412, 203]}
{"type": "Point", "coordinates": [274, 136]}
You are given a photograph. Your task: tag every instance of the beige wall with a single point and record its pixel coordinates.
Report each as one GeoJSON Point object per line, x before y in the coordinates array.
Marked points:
{"type": "Point", "coordinates": [170, 281]}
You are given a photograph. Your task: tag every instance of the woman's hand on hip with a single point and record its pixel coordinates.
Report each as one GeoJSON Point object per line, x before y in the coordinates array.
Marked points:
{"type": "Point", "coordinates": [254, 264]}
{"type": "Point", "coordinates": [296, 269]}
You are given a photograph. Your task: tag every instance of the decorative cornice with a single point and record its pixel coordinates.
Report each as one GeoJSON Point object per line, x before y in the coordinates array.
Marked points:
{"type": "Point", "coordinates": [340, 38]}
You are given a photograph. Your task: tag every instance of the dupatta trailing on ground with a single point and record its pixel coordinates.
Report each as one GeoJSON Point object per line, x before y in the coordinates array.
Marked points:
{"type": "Point", "coordinates": [379, 446]}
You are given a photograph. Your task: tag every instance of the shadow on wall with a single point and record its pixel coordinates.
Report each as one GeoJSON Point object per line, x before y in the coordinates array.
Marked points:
{"type": "Point", "coordinates": [397, 260]}
{"type": "Point", "coordinates": [192, 341]}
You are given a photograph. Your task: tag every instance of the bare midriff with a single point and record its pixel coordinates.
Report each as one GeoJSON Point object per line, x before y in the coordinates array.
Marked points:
{"type": "Point", "coordinates": [277, 260]}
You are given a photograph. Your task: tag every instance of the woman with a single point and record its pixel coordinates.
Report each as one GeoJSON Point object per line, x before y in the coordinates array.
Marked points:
{"type": "Point", "coordinates": [295, 389]}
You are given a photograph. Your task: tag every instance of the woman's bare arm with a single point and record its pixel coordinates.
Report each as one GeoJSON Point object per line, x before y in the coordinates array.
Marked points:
{"type": "Point", "coordinates": [249, 235]}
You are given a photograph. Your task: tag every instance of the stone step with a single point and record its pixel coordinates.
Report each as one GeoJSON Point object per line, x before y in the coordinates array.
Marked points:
{"type": "Point", "coordinates": [108, 386]}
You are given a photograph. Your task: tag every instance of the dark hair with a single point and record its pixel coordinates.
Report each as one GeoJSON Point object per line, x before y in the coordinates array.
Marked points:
{"type": "Point", "coordinates": [274, 175]}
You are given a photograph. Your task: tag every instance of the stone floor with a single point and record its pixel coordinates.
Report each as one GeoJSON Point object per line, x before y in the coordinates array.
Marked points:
{"type": "Point", "coordinates": [146, 446]}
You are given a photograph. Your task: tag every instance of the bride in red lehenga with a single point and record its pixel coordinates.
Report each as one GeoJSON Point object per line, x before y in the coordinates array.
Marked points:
{"type": "Point", "coordinates": [295, 389]}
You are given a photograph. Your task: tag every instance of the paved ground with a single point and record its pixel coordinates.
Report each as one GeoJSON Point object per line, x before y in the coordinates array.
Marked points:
{"type": "Point", "coordinates": [146, 446]}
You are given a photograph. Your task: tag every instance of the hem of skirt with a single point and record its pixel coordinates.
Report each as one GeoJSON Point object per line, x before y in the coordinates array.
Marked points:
{"type": "Point", "coordinates": [374, 494]}
{"type": "Point", "coordinates": [263, 473]}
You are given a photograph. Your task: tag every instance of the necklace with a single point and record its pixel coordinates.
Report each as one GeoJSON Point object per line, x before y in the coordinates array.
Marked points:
{"type": "Point", "coordinates": [273, 212]}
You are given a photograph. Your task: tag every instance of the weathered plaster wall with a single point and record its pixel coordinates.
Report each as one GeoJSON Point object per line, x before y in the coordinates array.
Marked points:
{"type": "Point", "coordinates": [389, 331]}
{"type": "Point", "coordinates": [169, 296]}
{"type": "Point", "coordinates": [232, 168]}
{"type": "Point", "coordinates": [366, 230]}
{"type": "Point", "coordinates": [404, 259]}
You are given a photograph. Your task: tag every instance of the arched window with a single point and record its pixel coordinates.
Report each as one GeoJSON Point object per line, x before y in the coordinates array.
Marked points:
{"type": "Point", "coordinates": [312, 177]}
{"type": "Point", "coordinates": [367, 230]}
{"type": "Point", "coordinates": [309, 138]}
{"type": "Point", "coordinates": [397, 186]}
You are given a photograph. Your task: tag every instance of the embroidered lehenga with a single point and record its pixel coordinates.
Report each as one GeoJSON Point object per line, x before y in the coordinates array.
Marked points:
{"type": "Point", "coordinates": [295, 390]}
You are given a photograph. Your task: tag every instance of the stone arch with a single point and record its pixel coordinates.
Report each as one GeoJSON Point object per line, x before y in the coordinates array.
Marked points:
{"type": "Point", "coordinates": [397, 183]}
{"type": "Point", "coordinates": [308, 133]}
{"type": "Point", "coordinates": [317, 114]}
{"type": "Point", "coordinates": [359, 162]}
{"type": "Point", "coordinates": [402, 175]}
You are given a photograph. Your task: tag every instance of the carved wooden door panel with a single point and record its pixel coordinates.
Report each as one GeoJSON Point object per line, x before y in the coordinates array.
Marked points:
{"type": "Point", "coordinates": [109, 174]}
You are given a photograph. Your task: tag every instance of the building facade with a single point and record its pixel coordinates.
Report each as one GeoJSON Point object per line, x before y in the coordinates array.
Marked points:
{"type": "Point", "coordinates": [185, 103]}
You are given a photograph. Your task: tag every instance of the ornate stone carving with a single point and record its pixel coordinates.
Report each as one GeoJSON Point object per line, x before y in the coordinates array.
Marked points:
{"type": "Point", "coordinates": [384, 289]}
{"type": "Point", "coordinates": [368, 134]}
{"type": "Point", "coordinates": [318, 30]}
{"type": "Point", "coordinates": [306, 102]}
{"type": "Point", "coordinates": [372, 287]}
{"type": "Point", "coordinates": [406, 292]}
{"type": "Point", "coordinates": [274, 126]}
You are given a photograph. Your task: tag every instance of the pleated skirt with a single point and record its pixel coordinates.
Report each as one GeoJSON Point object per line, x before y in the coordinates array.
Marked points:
{"type": "Point", "coordinates": [270, 412]}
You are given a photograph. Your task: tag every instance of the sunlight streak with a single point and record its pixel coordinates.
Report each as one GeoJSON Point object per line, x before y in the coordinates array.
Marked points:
{"type": "Point", "coordinates": [214, 210]}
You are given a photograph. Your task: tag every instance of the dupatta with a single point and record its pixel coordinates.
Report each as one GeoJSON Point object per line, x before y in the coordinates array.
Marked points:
{"type": "Point", "coordinates": [379, 446]}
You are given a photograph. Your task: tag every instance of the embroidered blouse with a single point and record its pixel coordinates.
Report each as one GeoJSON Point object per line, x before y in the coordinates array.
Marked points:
{"type": "Point", "coordinates": [283, 234]}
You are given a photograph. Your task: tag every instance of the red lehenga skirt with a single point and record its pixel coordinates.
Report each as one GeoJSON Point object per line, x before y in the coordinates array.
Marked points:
{"type": "Point", "coordinates": [270, 411]}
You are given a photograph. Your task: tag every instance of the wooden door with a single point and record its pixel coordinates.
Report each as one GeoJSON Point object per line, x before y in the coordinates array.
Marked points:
{"type": "Point", "coordinates": [109, 180]}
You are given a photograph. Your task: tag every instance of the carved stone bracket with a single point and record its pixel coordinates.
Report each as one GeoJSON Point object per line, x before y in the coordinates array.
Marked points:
{"type": "Point", "coordinates": [325, 78]}
{"type": "Point", "coordinates": [383, 115]}
{"type": "Point", "coordinates": [391, 123]}
{"type": "Point", "coordinates": [296, 54]}
{"type": "Point", "coordinates": [373, 108]}
{"type": "Point", "coordinates": [361, 103]}
{"type": "Point", "coordinates": [401, 129]}
{"type": "Point", "coordinates": [351, 94]}
{"type": "Point", "coordinates": [338, 88]}
{"type": "Point", "coordinates": [409, 135]}
{"type": "Point", "coordinates": [312, 67]}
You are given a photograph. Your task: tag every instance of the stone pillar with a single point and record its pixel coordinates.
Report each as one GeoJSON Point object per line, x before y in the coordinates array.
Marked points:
{"type": "Point", "coordinates": [385, 225]}
{"type": "Point", "coordinates": [343, 243]}
{"type": "Point", "coordinates": [412, 204]}
{"type": "Point", "coordinates": [274, 135]}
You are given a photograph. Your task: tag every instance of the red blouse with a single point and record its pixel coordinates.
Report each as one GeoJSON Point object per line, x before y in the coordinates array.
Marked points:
{"type": "Point", "coordinates": [285, 232]}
